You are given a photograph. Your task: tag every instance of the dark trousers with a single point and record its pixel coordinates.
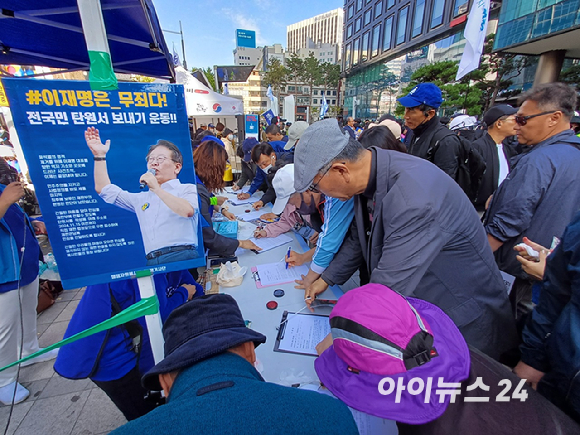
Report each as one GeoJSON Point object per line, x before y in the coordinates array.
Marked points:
{"type": "Point", "coordinates": [128, 394]}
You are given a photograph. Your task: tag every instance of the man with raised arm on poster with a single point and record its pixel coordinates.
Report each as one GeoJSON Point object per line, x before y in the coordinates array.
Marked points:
{"type": "Point", "coordinates": [167, 212]}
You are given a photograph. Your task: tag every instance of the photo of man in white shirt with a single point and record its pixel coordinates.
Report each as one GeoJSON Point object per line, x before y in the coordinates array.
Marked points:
{"type": "Point", "coordinates": [167, 212]}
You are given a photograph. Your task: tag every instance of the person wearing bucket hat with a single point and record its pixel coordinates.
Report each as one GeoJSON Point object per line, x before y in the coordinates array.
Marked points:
{"type": "Point", "coordinates": [415, 229]}
{"type": "Point", "coordinates": [212, 387]}
{"type": "Point", "coordinates": [378, 333]}
{"type": "Point", "coordinates": [421, 105]}
{"type": "Point", "coordinates": [391, 357]}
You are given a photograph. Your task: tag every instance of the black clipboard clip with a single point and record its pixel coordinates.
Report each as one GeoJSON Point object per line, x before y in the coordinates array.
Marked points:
{"type": "Point", "coordinates": [256, 276]}
{"type": "Point", "coordinates": [281, 329]}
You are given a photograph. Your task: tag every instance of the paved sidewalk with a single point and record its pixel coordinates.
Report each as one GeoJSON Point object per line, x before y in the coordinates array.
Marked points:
{"type": "Point", "coordinates": [59, 406]}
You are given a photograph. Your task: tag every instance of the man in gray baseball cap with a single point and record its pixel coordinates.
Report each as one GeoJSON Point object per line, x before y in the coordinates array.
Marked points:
{"type": "Point", "coordinates": [406, 208]}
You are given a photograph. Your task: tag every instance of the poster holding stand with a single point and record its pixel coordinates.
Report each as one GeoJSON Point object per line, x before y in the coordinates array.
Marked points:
{"type": "Point", "coordinates": [113, 173]}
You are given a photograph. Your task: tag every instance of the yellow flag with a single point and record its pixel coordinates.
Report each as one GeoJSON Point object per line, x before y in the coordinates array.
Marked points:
{"type": "Point", "coordinates": [3, 99]}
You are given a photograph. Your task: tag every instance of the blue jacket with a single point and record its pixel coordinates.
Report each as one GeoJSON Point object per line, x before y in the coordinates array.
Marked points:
{"type": "Point", "coordinates": [260, 177]}
{"type": "Point", "coordinates": [226, 395]}
{"type": "Point", "coordinates": [10, 271]}
{"type": "Point", "coordinates": [551, 338]}
{"type": "Point", "coordinates": [107, 355]}
{"type": "Point", "coordinates": [538, 198]}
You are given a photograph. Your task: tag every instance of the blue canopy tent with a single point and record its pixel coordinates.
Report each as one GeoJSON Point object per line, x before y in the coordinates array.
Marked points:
{"type": "Point", "coordinates": [49, 33]}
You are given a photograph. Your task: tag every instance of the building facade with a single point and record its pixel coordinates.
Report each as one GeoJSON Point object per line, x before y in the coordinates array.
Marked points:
{"type": "Point", "coordinates": [247, 56]}
{"type": "Point", "coordinates": [323, 52]}
{"type": "Point", "coordinates": [386, 41]}
{"type": "Point", "coordinates": [325, 28]}
{"type": "Point", "coordinates": [550, 29]}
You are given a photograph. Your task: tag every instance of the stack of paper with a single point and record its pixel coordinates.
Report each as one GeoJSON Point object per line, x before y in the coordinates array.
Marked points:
{"type": "Point", "coordinates": [250, 215]}
{"type": "Point", "coordinates": [267, 243]}
{"type": "Point", "coordinates": [276, 273]}
{"type": "Point", "coordinates": [250, 200]}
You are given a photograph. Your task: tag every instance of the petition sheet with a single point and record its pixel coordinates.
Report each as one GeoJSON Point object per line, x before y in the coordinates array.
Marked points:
{"type": "Point", "coordinates": [276, 273]}
{"type": "Point", "coordinates": [302, 332]}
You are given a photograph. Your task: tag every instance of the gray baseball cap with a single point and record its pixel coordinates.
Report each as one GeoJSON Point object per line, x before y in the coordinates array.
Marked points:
{"type": "Point", "coordinates": [319, 145]}
{"type": "Point", "coordinates": [295, 133]}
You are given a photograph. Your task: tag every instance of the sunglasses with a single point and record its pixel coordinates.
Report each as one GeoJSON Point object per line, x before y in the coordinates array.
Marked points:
{"type": "Point", "coordinates": [523, 120]}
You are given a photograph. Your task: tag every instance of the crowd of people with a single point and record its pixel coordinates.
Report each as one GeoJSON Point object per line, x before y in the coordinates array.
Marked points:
{"type": "Point", "coordinates": [466, 237]}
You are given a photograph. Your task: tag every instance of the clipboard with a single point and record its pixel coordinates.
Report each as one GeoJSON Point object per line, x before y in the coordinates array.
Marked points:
{"type": "Point", "coordinates": [256, 277]}
{"type": "Point", "coordinates": [282, 331]}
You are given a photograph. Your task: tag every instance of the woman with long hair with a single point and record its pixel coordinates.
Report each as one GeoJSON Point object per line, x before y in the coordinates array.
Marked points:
{"type": "Point", "coordinates": [210, 160]}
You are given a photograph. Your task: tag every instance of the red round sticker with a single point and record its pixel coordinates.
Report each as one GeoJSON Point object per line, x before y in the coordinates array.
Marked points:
{"type": "Point", "coordinates": [272, 305]}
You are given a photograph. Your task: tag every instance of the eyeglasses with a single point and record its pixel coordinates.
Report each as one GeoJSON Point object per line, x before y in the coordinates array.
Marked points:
{"type": "Point", "coordinates": [159, 160]}
{"type": "Point", "coordinates": [314, 187]}
{"type": "Point", "coordinates": [523, 120]}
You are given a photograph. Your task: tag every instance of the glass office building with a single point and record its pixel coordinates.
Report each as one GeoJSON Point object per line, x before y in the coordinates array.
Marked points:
{"type": "Point", "coordinates": [539, 26]}
{"type": "Point", "coordinates": [386, 38]}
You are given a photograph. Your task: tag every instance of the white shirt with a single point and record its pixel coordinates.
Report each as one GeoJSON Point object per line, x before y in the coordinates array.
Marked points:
{"type": "Point", "coordinates": [504, 168]}
{"type": "Point", "coordinates": [160, 226]}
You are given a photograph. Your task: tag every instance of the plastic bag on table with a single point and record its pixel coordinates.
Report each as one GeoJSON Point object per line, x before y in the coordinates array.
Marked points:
{"type": "Point", "coordinates": [231, 274]}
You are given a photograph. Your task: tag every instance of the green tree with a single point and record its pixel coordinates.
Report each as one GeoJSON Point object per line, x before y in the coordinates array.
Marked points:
{"type": "Point", "coordinates": [295, 67]}
{"type": "Point", "coordinates": [311, 74]}
{"type": "Point", "coordinates": [330, 73]}
{"type": "Point", "coordinates": [571, 75]}
{"type": "Point", "coordinates": [497, 71]}
{"type": "Point", "coordinates": [208, 73]}
{"type": "Point", "coordinates": [387, 83]}
{"type": "Point", "coordinates": [456, 94]}
{"type": "Point", "coordinates": [276, 76]}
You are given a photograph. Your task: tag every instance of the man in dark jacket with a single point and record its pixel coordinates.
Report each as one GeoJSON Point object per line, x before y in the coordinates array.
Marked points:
{"type": "Point", "coordinates": [416, 230]}
{"type": "Point", "coordinates": [551, 343]}
{"type": "Point", "coordinates": [212, 387]}
{"type": "Point", "coordinates": [542, 192]}
{"type": "Point", "coordinates": [500, 122]}
{"type": "Point", "coordinates": [421, 106]}
{"type": "Point", "coordinates": [349, 127]}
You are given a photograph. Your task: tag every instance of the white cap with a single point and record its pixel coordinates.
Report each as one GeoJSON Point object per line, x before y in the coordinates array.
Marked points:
{"type": "Point", "coordinates": [283, 184]}
{"type": "Point", "coordinates": [394, 126]}
{"type": "Point", "coordinates": [295, 133]}
{"type": "Point", "coordinates": [462, 121]}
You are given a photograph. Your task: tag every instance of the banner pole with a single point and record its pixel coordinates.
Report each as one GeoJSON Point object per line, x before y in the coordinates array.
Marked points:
{"type": "Point", "coordinates": [154, 325]}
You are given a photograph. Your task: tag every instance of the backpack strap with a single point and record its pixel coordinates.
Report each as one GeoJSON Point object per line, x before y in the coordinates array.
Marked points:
{"type": "Point", "coordinates": [133, 327]}
{"type": "Point", "coordinates": [440, 134]}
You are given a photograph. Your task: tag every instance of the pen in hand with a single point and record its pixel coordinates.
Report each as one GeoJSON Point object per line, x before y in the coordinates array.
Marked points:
{"type": "Point", "coordinates": [288, 256]}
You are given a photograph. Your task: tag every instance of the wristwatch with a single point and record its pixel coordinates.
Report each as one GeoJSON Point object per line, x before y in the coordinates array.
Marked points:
{"type": "Point", "coordinates": [99, 159]}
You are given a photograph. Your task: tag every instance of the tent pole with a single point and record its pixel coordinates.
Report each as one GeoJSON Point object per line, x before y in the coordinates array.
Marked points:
{"type": "Point", "coordinates": [101, 75]}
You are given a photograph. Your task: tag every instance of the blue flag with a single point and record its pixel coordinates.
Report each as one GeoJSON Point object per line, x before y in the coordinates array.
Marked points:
{"type": "Point", "coordinates": [324, 107]}
{"type": "Point", "coordinates": [268, 116]}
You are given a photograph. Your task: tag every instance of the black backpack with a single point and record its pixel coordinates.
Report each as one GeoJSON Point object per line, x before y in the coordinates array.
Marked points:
{"type": "Point", "coordinates": [471, 165]}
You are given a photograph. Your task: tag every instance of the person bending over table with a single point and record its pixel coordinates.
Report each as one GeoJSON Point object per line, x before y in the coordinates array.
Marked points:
{"type": "Point", "coordinates": [210, 159]}
{"type": "Point", "coordinates": [265, 156]}
{"type": "Point", "coordinates": [166, 213]}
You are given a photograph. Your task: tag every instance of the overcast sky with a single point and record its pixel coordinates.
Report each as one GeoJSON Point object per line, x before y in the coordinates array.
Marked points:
{"type": "Point", "coordinates": [209, 26]}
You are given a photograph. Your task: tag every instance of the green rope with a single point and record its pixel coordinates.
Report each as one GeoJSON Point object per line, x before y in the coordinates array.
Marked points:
{"type": "Point", "coordinates": [142, 308]}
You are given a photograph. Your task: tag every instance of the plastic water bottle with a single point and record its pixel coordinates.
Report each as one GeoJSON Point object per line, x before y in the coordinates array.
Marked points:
{"type": "Point", "coordinates": [51, 262]}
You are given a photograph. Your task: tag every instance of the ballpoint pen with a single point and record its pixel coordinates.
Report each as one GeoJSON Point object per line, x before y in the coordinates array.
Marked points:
{"type": "Point", "coordinates": [288, 256]}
